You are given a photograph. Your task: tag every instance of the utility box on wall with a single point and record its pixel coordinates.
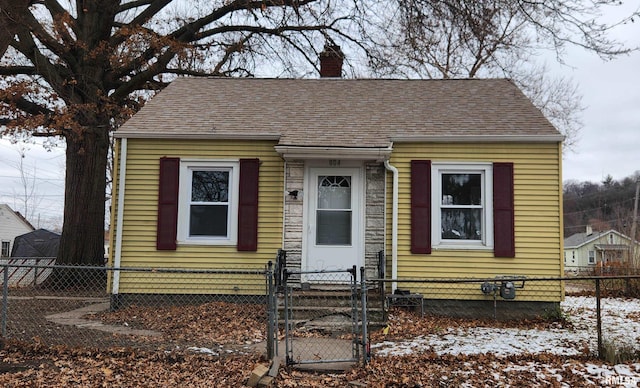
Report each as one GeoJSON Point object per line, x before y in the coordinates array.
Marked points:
{"type": "Point", "coordinates": [508, 290]}
{"type": "Point", "coordinates": [505, 284]}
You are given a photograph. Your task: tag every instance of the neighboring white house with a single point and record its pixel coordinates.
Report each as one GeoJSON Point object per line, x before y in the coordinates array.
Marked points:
{"type": "Point", "coordinates": [587, 250]}
{"type": "Point", "coordinates": [12, 224]}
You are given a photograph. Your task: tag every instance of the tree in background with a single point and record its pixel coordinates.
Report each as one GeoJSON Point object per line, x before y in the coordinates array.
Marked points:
{"type": "Point", "coordinates": [33, 190]}
{"type": "Point", "coordinates": [77, 70]}
{"type": "Point", "coordinates": [28, 197]}
{"type": "Point", "coordinates": [603, 206]}
{"type": "Point", "coordinates": [496, 38]}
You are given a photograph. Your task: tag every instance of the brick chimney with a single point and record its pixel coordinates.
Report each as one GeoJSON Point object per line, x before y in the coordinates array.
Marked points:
{"type": "Point", "coordinates": [589, 230]}
{"type": "Point", "coordinates": [331, 61]}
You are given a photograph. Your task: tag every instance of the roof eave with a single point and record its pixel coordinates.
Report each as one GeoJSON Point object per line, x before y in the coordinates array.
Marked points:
{"type": "Point", "coordinates": [479, 138]}
{"type": "Point", "coordinates": [345, 153]}
{"type": "Point", "coordinates": [198, 136]}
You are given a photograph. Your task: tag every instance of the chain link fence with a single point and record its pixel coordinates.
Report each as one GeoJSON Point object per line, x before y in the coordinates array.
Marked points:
{"type": "Point", "coordinates": [325, 316]}
{"type": "Point", "coordinates": [614, 268]}
{"type": "Point", "coordinates": [223, 311]}
{"type": "Point", "coordinates": [575, 315]}
{"type": "Point", "coordinates": [212, 310]}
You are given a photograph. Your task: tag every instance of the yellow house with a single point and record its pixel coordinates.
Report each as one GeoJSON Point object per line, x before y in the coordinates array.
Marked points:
{"type": "Point", "coordinates": [449, 178]}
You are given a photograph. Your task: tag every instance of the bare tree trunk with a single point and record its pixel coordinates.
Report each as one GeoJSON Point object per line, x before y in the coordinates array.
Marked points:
{"type": "Point", "coordinates": [84, 214]}
{"type": "Point", "coordinates": [84, 199]}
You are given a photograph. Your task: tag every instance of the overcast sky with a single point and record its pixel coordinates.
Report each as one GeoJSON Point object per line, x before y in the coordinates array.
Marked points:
{"type": "Point", "coordinates": [44, 172]}
{"type": "Point", "coordinates": [608, 144]}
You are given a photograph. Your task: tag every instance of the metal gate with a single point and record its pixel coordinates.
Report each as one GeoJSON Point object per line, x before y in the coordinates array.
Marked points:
{"type": "Point", "coordinates": [324, 322]}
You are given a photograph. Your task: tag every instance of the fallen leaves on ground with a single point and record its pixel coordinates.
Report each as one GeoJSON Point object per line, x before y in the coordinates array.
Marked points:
{"type": "Point", "coordinates": [430, 370]}
{"type": "Point", "coordinates": [41, 366]}
{"type": "Point", "coordinates": [35, 364]}
{"type": "Point", "coordinates": [403, 324]}
{"type": "Point", "coordinates": [62, 366]}
{"type": "Point", "coordinates": [217, 322]}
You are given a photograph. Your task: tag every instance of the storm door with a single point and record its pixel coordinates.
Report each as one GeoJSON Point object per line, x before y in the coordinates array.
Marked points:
{"type": "Point", "coordinates": [333, 240]}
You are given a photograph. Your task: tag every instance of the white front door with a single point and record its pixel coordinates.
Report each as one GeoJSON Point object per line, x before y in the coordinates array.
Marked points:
{"type": "Point", "coordinates": [334, 221]}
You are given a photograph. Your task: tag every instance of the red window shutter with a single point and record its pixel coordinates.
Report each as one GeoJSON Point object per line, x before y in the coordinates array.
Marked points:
{"type": "Point", "coordinates": [248, 205]}
{"type": "Point", "coordinates": [503, 210]}
{"type": "Point", "coordinates": [421, 206]}
{"type": "Point", "coordinates": [167, 227]}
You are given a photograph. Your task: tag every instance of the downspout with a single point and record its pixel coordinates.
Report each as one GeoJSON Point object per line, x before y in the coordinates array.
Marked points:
{"type": "Point", "coordinates": [284, 204]}
{"type": "Point", "coordinates": [117, 254]}
{"type": "Point", "coordinates": [394, 224]}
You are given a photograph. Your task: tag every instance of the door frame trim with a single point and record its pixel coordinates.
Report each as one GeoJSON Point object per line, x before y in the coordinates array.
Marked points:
{"type": "Point", "coordinates": [358, 238]}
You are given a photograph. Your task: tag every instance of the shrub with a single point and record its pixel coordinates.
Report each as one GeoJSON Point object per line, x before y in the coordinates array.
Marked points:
{"type": "Point", "coordinates": [616, 353]}
{"type": "Point", "coordinates": [555, 314]}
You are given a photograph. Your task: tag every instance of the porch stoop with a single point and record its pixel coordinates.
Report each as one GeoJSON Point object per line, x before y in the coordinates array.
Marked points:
{"type": "Point", "coordinates": [327, 310]}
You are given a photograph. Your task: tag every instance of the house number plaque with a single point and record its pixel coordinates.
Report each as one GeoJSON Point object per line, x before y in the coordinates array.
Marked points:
{"type": "Point", "coordinates": [334, 162]}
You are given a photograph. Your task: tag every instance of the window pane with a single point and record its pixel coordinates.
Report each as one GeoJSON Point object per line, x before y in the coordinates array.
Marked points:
{"type": "Point", "coordinates": [334, 192]}
{"type": "Point", "coordinates": [210, 186]}
{"type": "Point", "coordinates": [208, 220]}
{"type": "Point", "coordinates": [461, 189]}
{"type": "Point", "coordinates": [333, 227]}
{"type": "Point", "coordinates": [462, 224]}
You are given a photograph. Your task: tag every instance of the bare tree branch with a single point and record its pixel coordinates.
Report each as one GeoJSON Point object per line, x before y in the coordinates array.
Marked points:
{"type": "Point", "coordinates": [18, 70]}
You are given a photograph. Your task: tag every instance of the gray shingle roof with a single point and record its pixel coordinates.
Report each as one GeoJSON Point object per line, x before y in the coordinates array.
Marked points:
{"type": "Point", "coordinates": [340, 112]}
{"type": "Point", "coordinates": [578, 239]}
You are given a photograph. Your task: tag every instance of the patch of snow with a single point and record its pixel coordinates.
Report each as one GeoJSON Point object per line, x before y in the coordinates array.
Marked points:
{"type": "Point", "coordinates": [598, 375]}
{"type": "Point", "coordinates": [620, 326]}
{"type": "Point", "coordinates": [203, 350]}
{"type": "Point", "coordinates": [501, 342]}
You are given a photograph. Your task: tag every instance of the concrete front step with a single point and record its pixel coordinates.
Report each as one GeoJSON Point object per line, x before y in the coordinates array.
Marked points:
{"type": "Point", "coordinates": [308, 313]}
{"type": "Point", "coordinates": [329, 299]}
{"type": "Point", "coordinates": [330, 325]}
{"type": "Point", "coordinates": [329, 310]}
{"type": "Point", "coordinates": [322, 310]}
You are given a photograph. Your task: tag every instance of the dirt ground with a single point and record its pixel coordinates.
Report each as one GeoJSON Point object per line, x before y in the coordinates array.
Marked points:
{"type": "Point", "coordinates": [35, 365]}
{"type": "Point", "coordinates": [39, 353]}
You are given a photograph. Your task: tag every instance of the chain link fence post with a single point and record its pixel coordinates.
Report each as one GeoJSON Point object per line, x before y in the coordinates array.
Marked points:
{"type": "Point", "coordinates": [288, 299]}
{"type": "Point", "coordinates": [270, 312]}
{"type": "Point", "coordinates": [5, 297]}
{"type": "Point", "coordinates": [365, 336]}
{"type": "Point", "coordinates": [599, 320]}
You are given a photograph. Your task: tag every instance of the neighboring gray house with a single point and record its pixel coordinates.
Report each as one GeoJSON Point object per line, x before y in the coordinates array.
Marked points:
{"type": "Point", "coordinates": [587, 250]}
{"type": "Point", "coordinates": [12, 224]}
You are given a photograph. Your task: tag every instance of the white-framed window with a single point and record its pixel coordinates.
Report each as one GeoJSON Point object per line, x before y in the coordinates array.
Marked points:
{"type": "Point", "coordinates": [462, 205]}
{"type": "Point", "coordinates": [208, 202]}
{"type": "Point", "coordinates": [6, 249]}
{"type": "Point", "coordinates": [592, 257]}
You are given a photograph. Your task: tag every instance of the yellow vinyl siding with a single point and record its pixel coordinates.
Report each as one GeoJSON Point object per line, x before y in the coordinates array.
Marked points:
{"type": "Point", "coordinates": [191, 283]}
{"type": "Point", "coordinates": [141, 207]}
{"type": "Point", "coordinates": [537, 195]}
